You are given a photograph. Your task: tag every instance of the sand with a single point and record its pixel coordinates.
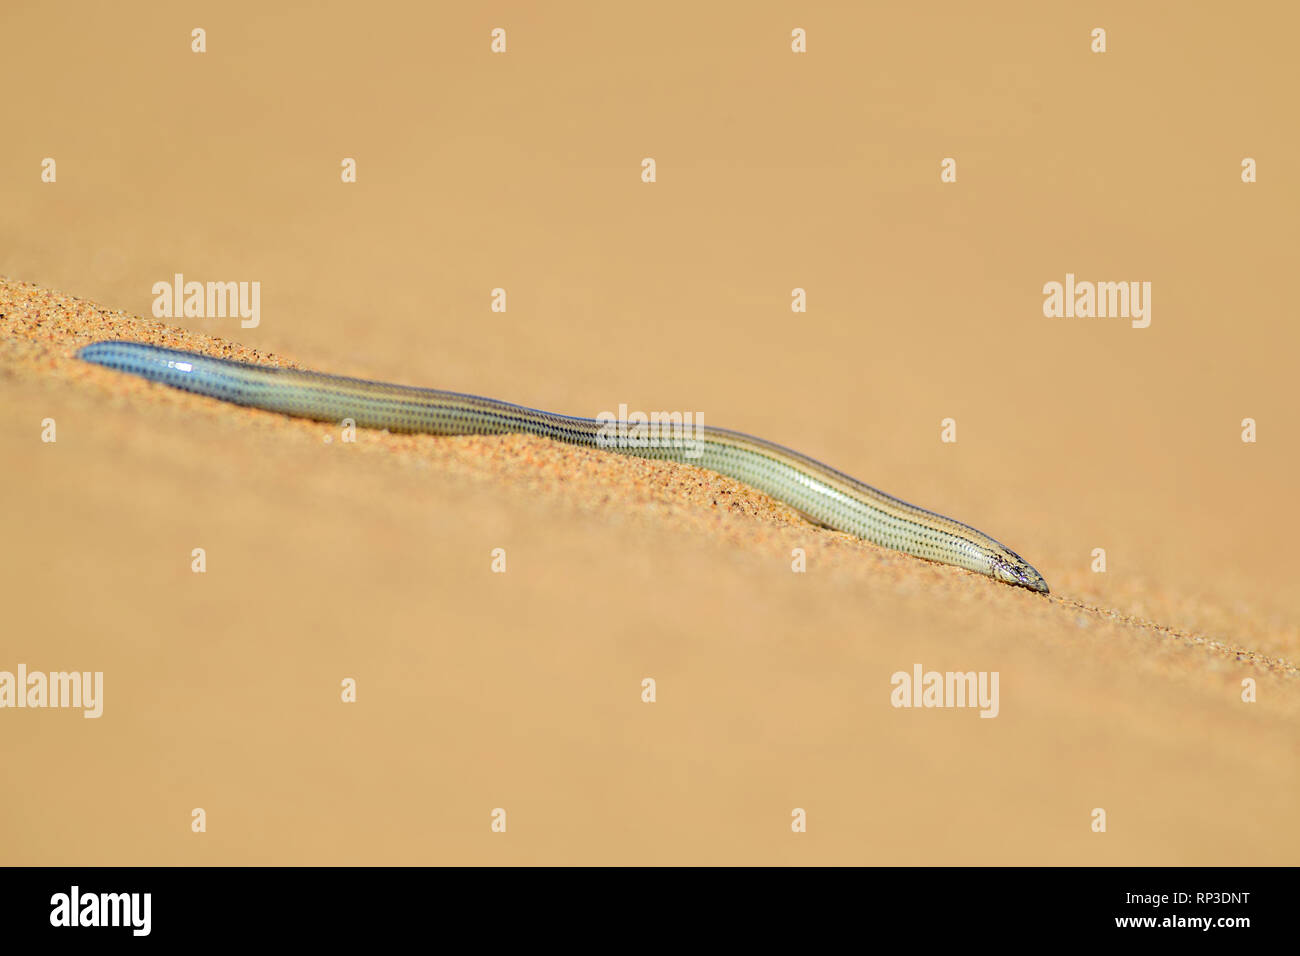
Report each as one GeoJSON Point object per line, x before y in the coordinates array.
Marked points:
{"type": "Point", "coordinates": [776, 171]}
{"type": "Point", "coordinates": [522, 690]}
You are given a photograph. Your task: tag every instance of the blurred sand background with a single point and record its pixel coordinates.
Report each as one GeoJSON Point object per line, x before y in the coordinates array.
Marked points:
{"type": "Point", "coordinates": [775, 171]}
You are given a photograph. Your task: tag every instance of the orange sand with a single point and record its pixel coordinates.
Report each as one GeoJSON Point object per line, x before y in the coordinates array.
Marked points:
{"type": "Point", "coordinates": [479, 690]}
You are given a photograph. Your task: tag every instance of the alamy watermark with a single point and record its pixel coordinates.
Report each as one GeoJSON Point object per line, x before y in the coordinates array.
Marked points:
{"type": "Point", "coordinates": [633, 430]}
{"type": "Point", "coordinates": [210, 300]}
{"type": "Point", "coordinates": [1084, 299]}
{"type": "Point", "coordinates": [75, 908]}
{"type": "Point", "coordinates": [54, 689]}
{"type": "Point", "coordinates": [946, 689]}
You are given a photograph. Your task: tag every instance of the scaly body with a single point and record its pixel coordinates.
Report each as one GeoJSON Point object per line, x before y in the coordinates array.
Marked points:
{"type": "Point", "coordinates": [824, 495]}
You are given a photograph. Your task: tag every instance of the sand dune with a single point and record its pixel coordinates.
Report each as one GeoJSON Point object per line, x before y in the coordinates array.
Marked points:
{"type": "Point", "coordinates": [522, 690]}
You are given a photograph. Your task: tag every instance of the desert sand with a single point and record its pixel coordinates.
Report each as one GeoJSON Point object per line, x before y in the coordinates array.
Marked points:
{"type": "Point", "coordinates": [130, 158]}
{"type": "Point", "coordinates": [522, 690]}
